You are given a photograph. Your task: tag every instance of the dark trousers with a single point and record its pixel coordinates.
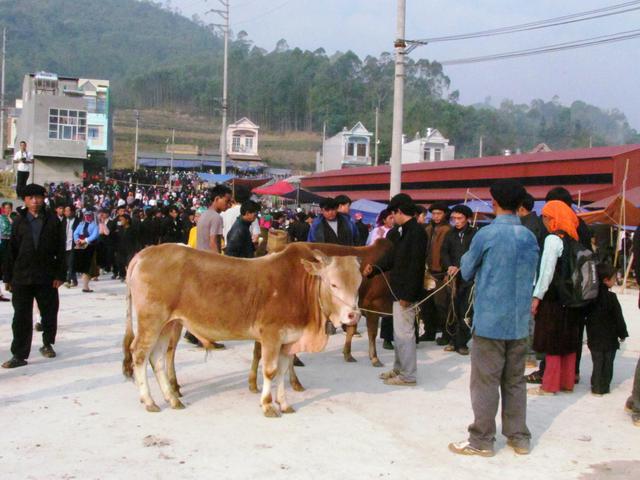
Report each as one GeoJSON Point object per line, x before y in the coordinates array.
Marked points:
{"type": "Point", "coordinates": [581, 328]}
{"type": "Point", "coordinates": [602, 371]}
{"type": "Point", "coordinates": [21, 181]}
{"type": "Point", "coordinates": [462, 333]}
{"type": "Point", "coordinates": [386, 328]}
{"type": "Point", "coordinates": [22, 299]}
{"type": "Point", "coordinates": [497, 372]}
{"type": "Point", "coordinates": [71, 271]}
{"type": "Point", "coordinates": [434, 311]}
{"type": "Point", "coordinates": [634, 400]}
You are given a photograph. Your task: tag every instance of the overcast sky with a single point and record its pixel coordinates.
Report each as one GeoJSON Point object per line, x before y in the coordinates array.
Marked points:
{"type": "Point", "coordinates": [607, 76]}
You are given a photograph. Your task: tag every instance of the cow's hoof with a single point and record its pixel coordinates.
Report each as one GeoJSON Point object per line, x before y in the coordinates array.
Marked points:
{"type": "Point", "coordinates": [297, 386]}
{"type": "Point", "coordinates": [289, 409]}
{"type": "Point", "coordinates": [349, 358]}
{"type": "Point", "coordinates": [271, 412]}
{"type": "Point", "coordinates": [152, 408]}
{"type": "Point", "coordinates": [253, 388]}
{"type": "Point", "coordinates": [377, 363]}
{"type": "Point", "coordinates": [177, 405]}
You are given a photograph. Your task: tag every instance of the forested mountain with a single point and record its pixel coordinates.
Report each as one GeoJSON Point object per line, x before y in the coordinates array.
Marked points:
{"type": "Point", "coordinates": [158, 59]}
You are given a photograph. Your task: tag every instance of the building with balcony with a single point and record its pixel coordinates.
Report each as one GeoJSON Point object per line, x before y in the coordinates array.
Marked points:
{"type": "Point", "coordinates": [242, 140]}
{"type": "Point", "coordinates": [348, 148]}
{"type": "Point", "coordinates": [64, 120]}
{"type": "Point", "coordinates": [432, 147]}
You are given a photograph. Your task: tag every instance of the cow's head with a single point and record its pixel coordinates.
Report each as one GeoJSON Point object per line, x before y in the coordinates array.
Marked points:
{"type": "Point", "coordinates": [340, 280]}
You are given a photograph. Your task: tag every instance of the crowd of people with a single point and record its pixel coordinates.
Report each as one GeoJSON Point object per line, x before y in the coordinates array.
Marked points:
{"type": "Point", "coordinates": [500, 285]}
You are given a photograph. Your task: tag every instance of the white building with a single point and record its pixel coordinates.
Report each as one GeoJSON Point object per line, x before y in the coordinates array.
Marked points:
{"type": "Point", "coordinates": [433, 147]}
{"type": "Point", "coordinates": [242, 140]}
{"type": "Point", "coordinates": [348, 148]}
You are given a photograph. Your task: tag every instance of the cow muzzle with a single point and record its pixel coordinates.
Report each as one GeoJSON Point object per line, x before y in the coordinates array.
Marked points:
{"type": "Point", "coordinates": [352, 317]}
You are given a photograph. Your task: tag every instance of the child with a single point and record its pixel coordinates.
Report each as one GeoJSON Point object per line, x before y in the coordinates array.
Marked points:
{"type": "Point", "coordinates": [605, 325]}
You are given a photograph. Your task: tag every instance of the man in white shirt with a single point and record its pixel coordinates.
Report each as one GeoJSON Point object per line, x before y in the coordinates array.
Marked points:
{"type": "Point", "coordinates": [24, 159]}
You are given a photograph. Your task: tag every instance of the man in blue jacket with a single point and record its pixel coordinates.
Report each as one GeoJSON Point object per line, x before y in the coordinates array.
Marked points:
{"type": "Point", "coordinates": [332, 226]}
{"type": "Point", "coordinates": [502, 259]}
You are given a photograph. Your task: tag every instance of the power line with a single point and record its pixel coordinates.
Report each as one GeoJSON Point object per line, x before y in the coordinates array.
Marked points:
{"type": "Point", "coordinates": [550, 22]}
{"type": "Point", "coordinates": [587, 42]}
{"type": "Point", "coordinates": [263, 14]}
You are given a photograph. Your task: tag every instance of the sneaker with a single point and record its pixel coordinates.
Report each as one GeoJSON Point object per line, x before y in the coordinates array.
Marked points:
{"type": "Point", "coordinates": [38, 327]}
{"type": "Point", "coordinates": [14, 362]}
{"type": "Point", "coordinates": [465, 448]}
{"type": "Point", "coordinates": [398, 381]}
{"type": "Point", "coordinates": [464, 351]}
{"type": "Point", "coordinates": [519, 448]}
{"type": "Point", "coordinates": [539, 391]}
{"type": "Point", "coordinates": [387, 345]}
{"type": "Point", "coordinates": [47, 351]}
{"type": "Point", "coordinates": [389, 374]}
{"type": "Point", "coordinates": [449, 348]}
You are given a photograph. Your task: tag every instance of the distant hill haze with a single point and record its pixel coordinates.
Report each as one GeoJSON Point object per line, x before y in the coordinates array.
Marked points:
{"type": "Point", "coordinates": [160, 61]}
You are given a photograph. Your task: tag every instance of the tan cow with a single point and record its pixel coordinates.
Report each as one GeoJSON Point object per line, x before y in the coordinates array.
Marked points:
{"type": "Point", "coordinates": [281, 300]}
{"type": "Point", "coordinates": [374, 295]}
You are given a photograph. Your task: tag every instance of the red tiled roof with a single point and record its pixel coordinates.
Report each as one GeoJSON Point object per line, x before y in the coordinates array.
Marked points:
{"type": "Point", "coordinates": [557, 155]}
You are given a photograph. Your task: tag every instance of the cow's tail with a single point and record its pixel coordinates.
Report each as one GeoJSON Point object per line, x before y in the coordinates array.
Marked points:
{"type": "Point", "coordinates": [127, 361]}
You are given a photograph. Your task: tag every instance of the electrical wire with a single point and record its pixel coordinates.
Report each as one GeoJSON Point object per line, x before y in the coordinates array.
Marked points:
{"type": "Point", "coordinates": [539, 24]}
{"type": "Point", "coordinates": [263, 14]}
{"type": "Point", "coordinates": [587, 42]}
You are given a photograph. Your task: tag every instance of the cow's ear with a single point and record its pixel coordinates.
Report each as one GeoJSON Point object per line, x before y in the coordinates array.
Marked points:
{"type": "Point", "coordinates": [321, 257]}
{"type": "Point", "coordinates": [312, 268]}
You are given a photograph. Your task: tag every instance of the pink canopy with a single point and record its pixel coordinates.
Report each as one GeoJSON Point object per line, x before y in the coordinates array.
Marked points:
{"type": "Point", "coordinates": [278, 188]}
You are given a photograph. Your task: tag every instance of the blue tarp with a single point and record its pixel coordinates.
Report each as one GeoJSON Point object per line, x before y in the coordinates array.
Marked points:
{"type": "Point", "coordinates": [369, 210]}
{"type": "Point", "coordinates": [479, 206]}
{"type": "Point", "coordinates": [215, 178]}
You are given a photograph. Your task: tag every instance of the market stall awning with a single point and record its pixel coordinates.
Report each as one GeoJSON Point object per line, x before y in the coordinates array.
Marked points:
{"type": "Point", "coordinates": [633, 195]}
{"type": "Point", "coordinates": [214, 177]}
{"type": "Point", "coordinates": [303, 196]}
{"type": "Point", "coordinates": [278, 188]}
{"type": "Point", "coordinates": [613, 214]}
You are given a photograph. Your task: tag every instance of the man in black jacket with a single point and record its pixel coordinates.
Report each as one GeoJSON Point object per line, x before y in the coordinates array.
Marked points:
{"type": "Point", "coordinates": [531, 220]}
{"type": "Point", "coordinates": [172, 226]}
{"type": "Point", "coordinates": [455, 245]}
{"type": "Point", "coordinates": [239, 241]}
{"type": "Point", "coordinates": [34, 269]}
{"type": "Point", "coordinates": [405, 263]}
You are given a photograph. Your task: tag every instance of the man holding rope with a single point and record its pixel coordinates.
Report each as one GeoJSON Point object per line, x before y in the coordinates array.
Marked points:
{"type": "Point", "coordinates": [405, 263]}
{"type": "Point", "coordinates": [502, 258]}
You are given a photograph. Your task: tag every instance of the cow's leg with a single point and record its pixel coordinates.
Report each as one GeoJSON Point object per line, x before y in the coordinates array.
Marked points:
{"type": "Point", "coordinates": [372, 330]}
{"type": "Point", "coordinates": [158, 363]}
{"type": "Point", "coordinates": [140, 352]}
{"type": "Point", "coordinates": [346, 351]}
{"type": "Point", "coordinates": [293, 378]}
{"type": "Point", "coordinates": [270, 362]}
{"type": "Point", "coordinates": [253, 373]}
{"type": "Point", "coordinates": [175, 330]}
{"type": "Point", "coordinates": [283, 362]}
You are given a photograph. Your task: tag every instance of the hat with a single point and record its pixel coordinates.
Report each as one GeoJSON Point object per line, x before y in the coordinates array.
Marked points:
{"type": "Point", "coordinates": [121, 203]}
{"type": "Point", "coordinates": [33, 189]}
{"type": "Point", "coordinates": [463, 209]}
{"type": "Point", "coordinates": [439, 206]}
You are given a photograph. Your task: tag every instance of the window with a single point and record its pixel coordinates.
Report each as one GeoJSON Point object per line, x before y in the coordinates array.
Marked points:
{"type": "Point", "coordinates": [91, 104]}
{"type": "Point", "coordinates": [235, 143]}
{"type": "Point", "coordinates": [427, 155]}
{"type": "Point", "coordinates": [67, 124]}
{"type": "Point", "coordinates": [248, 144]}
{"type": "Point", "coordinates": [351, 149]}
{"type": "Point", "coordinates": [362, 149]}
{"type": "Point", "coordinates": [438, 155]}
{"type": "Point", "coordinates": [93, 133]}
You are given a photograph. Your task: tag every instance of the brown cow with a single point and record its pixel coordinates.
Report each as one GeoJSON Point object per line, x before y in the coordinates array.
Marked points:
{"type": "Point", "coordinates": [281, 300]}
{"type": "Point", "coordinates": [374, 295]}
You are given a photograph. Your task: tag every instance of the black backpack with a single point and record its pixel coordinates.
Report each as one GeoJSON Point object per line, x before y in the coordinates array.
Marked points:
{"type": "Point", "coordinates": [576, 278]}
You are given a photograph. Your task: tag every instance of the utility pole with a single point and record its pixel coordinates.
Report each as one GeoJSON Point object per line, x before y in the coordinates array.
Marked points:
{"type": "Point", "coordinates": [375, 146]}
{"type": "Point", "coordinates": [173, 148]}
{"type": "Point", "coordinates": [135, 148]}
{"type": "Point", "coordinates": [4, 54]}
{"type": "Point", "coordinates": [324, 136]}
{"type": "Point", "coordinates": [224, 14]}
{"type": "Point", "coordinates": [481, 146]}
{"type": "Point", "coordinates": [398, 103]}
